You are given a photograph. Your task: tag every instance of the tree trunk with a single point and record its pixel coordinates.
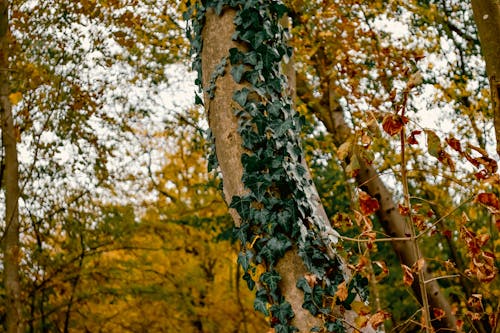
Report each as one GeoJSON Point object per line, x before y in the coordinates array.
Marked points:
{"type": "Point", "coordinates": [487, 18]}
{"type": "Point", "coordinates": [10, 239]}
{"type": "Point", "coordinates": [217, 40]}
{"type": "Point", "coordinates": [331, 114]}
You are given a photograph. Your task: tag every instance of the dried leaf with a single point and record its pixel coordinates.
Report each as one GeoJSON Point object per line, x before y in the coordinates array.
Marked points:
{"type": "Point", "coordinates": [419, 265]}
{"type": "Point", "coordinates": [490, 164]}
{"type": "Point", "coordinates": [454, 144]}
{"type": "Point", "coordinates": [344, 149]}
{"type": "Point", "coordinates": [478, 149]}
{"type": "Point", "coordinates": [407, 275]}
{"type": "Point", "coordinates": [393, 124]}
{"type": "Point", "coordinates": [438, 313]}
{"type": "Point", "coordinates": [378, 318]}
{"type": "Point", "coordinates": [412, 140]}
{"type": "Point", "coordinates": [352, 169]}
{"type": "Point", "coordinates": [489, 199]}
{"type": "Point", "coordinates": [419, 222]}
{"type": "Point", "coordinates": [385, 270]}
{"type": "Point", "coordinates": [342, 291]}
{"type": "Point", "coordinates": [367, 204]}
{"type": "Point", "coordinates": [404, 210]}
{"type": "Point", "coordinates": [311, 279]}
{"type": "Point", "coordinates": [475, 301]}
{"type": "Point", "coordinates": [362, 263]}
{"type": "Point", "coordinates": [366, 140]}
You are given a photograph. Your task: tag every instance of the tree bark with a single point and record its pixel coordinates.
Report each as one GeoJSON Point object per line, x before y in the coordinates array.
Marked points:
{"type": "Point", "coordinates": [487, 18]}
{"type": "Point", "coordinates": [331, 114]}
{"type": "Point", "coordinates": [217, 40]}
{"type": "Point", "coordinates": [10, 239]}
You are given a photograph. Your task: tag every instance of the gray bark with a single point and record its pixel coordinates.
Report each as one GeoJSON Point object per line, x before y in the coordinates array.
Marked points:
{"type": "Point", "coordinates": [487, 18]}
{"type": "Point", "coordinates": [10, 238]}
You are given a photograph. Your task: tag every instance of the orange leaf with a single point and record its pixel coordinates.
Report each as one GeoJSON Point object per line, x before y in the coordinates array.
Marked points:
{"type": "Point", "coordinates": [404, 210]}
{"type": "Point", "coordinates": [378, 318]}
{"type": "Point", "coordinates": [342, 291]}
{"type": "Point", "coordinates": [488, 199]}
{"type": "Point", "coordinates": [438, 313]}
{"type": "Point", "coordinates": [311, 279]}
{"type": "Point", "coordinates": [367, 204]}
{"type": "Point", "coordinates": [419, 265]}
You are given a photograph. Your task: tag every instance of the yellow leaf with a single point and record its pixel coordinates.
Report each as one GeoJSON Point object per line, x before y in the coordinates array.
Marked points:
{"type": "Point", "coordinates": [360, 308]}
{"type": "Point", "coordinates": [15, 98]}
{"type": "Point", "coordinates": [361, 321]}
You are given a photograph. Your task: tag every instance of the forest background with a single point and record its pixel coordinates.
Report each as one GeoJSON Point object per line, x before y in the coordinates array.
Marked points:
{"type": "Point", "coordinates": [120, 226]}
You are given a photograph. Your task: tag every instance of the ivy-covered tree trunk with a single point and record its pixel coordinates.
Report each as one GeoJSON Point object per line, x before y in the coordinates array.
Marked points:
{"type": "Point", "coordinates": [288, 244]}
{"type": "Point", "coordinates": [10, 182]}
{"type": "Point", "coordinates": [487, 18]}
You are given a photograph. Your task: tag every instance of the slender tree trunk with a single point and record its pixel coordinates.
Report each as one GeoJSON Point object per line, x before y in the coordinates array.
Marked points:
{"type": "Point", "coordinates": [394, 224]}
{"type": "Point", "coordinates": [487, 18]}
{"type": "Point", "coordinates": [217, 40]}
{"type": "Point", "coordinates": [10, 239]}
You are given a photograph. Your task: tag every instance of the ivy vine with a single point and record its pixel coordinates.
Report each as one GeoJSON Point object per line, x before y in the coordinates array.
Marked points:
{"type": "Point", "coordinates": [279, 211]}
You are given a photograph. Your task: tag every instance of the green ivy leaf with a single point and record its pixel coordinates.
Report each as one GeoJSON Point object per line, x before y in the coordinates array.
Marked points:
{"type": "Point", "coordinates": [260, 302]}
{"type": "Point", "coordinates": [237, 72]}
{"type": "Point", "coordinates": [240, 96]}
{"type": "Point", "coordinates": [283, 312]}
{"type": "Point", "coordinates": [242, 206]}
{"type": "Point", "coordinates": [244, 259]}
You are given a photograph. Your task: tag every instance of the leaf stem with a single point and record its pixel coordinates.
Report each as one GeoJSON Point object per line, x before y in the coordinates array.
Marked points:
{"type": "Point", "coordinates": [413, 236]}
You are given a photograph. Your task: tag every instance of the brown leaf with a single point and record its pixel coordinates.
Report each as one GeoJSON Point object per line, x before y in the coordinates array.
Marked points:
{"type": "Point", "coordinates": [445, 158]}
{"type": "Point", "coordinates": [493, 318]}
{"type": "Point", "coordinates": [438, 313]}
{"type": "Point", "coordinates": [488, 199]}
{"type": "Point", "coordinates": [344, 149]}
{"type": "Point", "coordinates": [490, 164]}
{"type": "Point", "coordinates": [311, 279]}
{"type": "Point", "coordinates": [474, 315]}
{"type": "Point", "coordinates": [366, 140]}
{"type": "Point", "coordinates": [367, 204]}
{"type": "Point", "coordinates": [342, 291]}
{"type": "Point", "coordinates": [393, 124]}
{"type": "Point", "coordinates": [352, 169]}
{"type": "Point", "coordinates": [362, 263]}
{"type": "Point", "coordinates": [407, 275]}
{"type": "Point", "coordinates": [404, 210]}
{"type": "Point", "coordinates": [419, 265]}
{"type": "Point", "coordinates": [378, 318]}
{"type": "Point", "coordinates": [412, 140]}
{"type": "Point", "coordinates": [385, 270]}
{"type": "Point", "coordinates": [478, 149]}
{"type": "Point", "coordinates": [475, 301]}
{"type": "Point", "coordinates": [419, 222]}
{"type": "Point", "coordinates": [454, 144]}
